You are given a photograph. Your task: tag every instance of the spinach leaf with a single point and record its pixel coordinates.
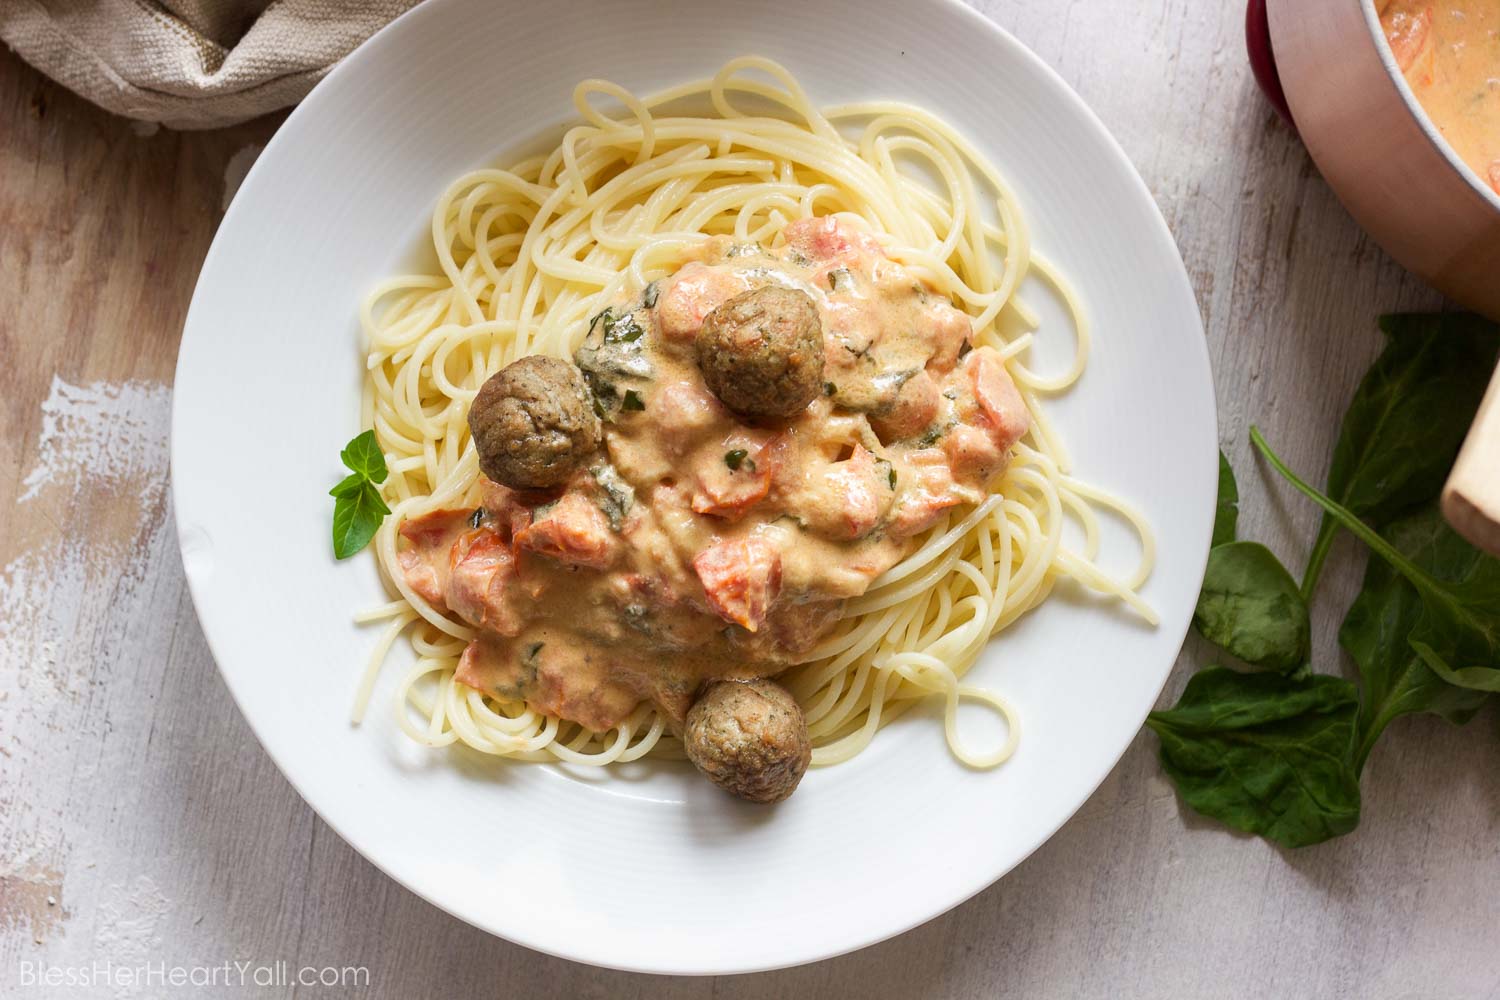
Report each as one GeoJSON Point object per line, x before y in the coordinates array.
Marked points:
{"type": "Point", "coordinates": [1251, 607]}
{"type": "Point", "coordinates": [1407, 419]}
{"type": "Point", "coordinates": [362, 456]}
{"type": "Point", "coordinates": [1265, 753]}
{"type": "Point", "coordinates": [1457, 633]}
{"type": "Point", "coordinates": [357, 506]}
{"type": "Point", "coordinates": [356, 516]}
{"type": "Point", "coordinates": [618, 495]}
{"type": "Point", "coordinates": [1395, 679]}
{"type": "Point", "coordinates": [1226, 517]}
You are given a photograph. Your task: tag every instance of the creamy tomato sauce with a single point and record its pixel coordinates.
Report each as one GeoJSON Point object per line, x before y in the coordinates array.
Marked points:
{"type": "Point", "coordinates": [1449, 51]}
{"type": "Point", "coordinates": [699, 545]}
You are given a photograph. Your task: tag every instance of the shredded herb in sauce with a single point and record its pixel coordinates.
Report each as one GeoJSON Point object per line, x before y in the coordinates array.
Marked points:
{"type": "Point", "coordinates": [735, 458]}
{"type": "Point", "coordinates": [613, 351]}
{"type": "Point", "coordinates": [637, 616]}
{"type": "Point", "coordinates": [632, 401]}
{"type": "Point", "coordinates": [933, 434]}
{"type": "Point", "coordinates": [477, 518]}
{"type": "Point", "coordinates": [617, 329]}
{"type": "Point", "coordinates": [618, 495]}
{"type": "Point", "coordinates": [649, 296]}
{"type": "Point", "coordinates": [829, 388]}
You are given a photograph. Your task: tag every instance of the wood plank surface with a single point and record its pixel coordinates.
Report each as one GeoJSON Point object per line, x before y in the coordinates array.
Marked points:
{"type": "Point", "coordinates": [141, 822]}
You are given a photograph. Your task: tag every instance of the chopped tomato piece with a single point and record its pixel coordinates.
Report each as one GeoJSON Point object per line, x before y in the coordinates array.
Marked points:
{"type": "Point", "coordinates": [924, 500]}
{"type": "Point", "coordinates": [683, 411]}
{"type": "Point", "coordinates": [728, 492]}
{"type": "Point", "coordinates": [573, 530]}
{"type": "Point", "coordinates": [424, 562]}
{"type": "Point", "coordinates": [1407, 34]}
{"type": "Point", "coordinates": [798, 627]}
{"type": "Point", "coordinates": [973, 454]}
{"type": "Point", "coordinates": [949, 329]}
{"type": "Point", "coordinates": [506, 510]}
{"type": "Point", "coordinates": [741, 578]}
{"type": "Point", "coordinates": [828, 236]}
{"type": "Point", "coordinates": [481, 568]}
{"type": "Point", "coordinates": [548, 677]}
{"type": "Point", "coordinates": [694, 292]}
{"type": "Point", "coordinates": [999, 400]}
{"type": "Point", "coordinates": [863, 490]}
{"type": "Point", "coordinates": [914, 410]}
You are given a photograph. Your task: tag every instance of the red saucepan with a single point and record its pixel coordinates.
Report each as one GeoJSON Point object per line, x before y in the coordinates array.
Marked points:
{"type": "Point", "coordinates": [1326, 66]}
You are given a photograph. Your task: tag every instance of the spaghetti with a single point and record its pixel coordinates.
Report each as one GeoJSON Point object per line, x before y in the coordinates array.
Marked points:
{"type": "Point", "coordinates": [526, 255]}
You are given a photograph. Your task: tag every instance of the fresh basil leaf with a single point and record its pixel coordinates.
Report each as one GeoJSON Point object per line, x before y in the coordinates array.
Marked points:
{"type": "Point", "coordinates": [1458, 632]}
{"type": "Point", "coordinates": [363, 456]}
{"type": "Point", "coordinates": [1397, 681]}
{"type": "Point", "coordinates": [356, 517]}
{"type": "Point", "coordinates": [1227, 515]}
{"type": "Point", "coordinates": [1250, 606]}
{"type": "Point", "coordinates": [1265, 753]}
{"type": "Point", "coordinates": [350, 484]}
{"type": "Point", "coordinates": [1407, 419]}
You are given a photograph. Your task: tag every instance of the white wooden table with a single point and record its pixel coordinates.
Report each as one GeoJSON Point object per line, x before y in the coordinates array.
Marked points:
{"type": "Point", "coordinates": [140, 821]}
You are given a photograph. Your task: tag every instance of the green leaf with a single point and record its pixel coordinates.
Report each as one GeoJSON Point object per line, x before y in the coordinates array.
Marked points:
{"type": "Point", "coordinates": [1265, 753]}
{"type": "Point", "coordinates": [1251, 607]}
{"type": "Point", "coordinates": [356, 517]}
{"type": "Point", "coordinates": [363, 456]}
{"type": "Point", "coordinates": [1457, 633]}
{"type": "Point", "coordinates": [1226, 518]}
{"type": "Point", "coordinates": [1396, 680]}
{"type": "Point", "coordinates": [1407, 419]}
{"type": "Point", "coordinates": [349, 485]}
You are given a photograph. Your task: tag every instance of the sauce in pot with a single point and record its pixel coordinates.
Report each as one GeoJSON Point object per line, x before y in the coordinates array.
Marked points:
{"type": "Point", "coordinates": [1449, 51]}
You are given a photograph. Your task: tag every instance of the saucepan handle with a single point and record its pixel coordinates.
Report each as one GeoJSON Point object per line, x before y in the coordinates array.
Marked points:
{"type": "Point", "coordinates": [1471, 499]}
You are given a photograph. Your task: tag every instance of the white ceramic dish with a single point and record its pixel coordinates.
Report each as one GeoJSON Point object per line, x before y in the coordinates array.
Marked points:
{"type": "Point", "coordinates": [652, 868]}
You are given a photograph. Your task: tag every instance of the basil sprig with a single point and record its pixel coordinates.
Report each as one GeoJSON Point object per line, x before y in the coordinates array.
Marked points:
{"type": "Point", "coordinates": [357, 506]}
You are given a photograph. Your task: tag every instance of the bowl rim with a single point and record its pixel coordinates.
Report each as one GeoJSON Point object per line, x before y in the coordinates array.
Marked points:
{"type": "Point", "coordinates": [1414, 107]}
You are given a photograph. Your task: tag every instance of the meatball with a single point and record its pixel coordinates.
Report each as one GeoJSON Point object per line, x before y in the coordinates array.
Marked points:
{"type": "Point", "coordinates": [534, 423]}
{"type": "Point", "coordinates": [749, 738]}
{"type": "Point", "coordinates": [762, 352]}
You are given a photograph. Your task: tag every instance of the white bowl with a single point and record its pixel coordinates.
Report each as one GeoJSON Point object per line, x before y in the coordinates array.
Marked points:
{"type": "Point", "coordinates": [649, 867]}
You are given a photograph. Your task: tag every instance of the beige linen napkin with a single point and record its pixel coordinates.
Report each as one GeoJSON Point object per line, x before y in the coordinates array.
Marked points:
{"type": "Point", "coordinates": [190, 63]}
